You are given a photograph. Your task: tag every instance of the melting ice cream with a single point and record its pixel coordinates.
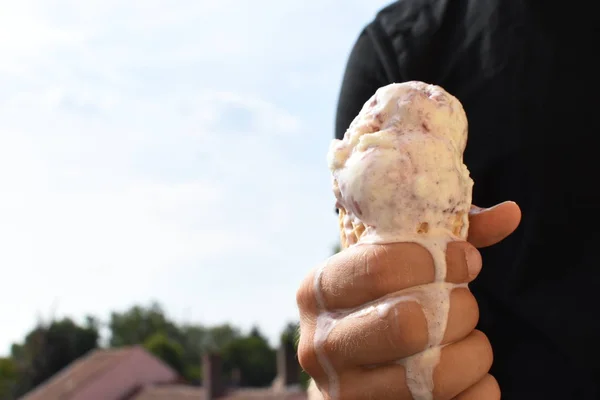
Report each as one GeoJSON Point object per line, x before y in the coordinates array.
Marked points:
{"type": "Point", "coordinates": [398, 176]}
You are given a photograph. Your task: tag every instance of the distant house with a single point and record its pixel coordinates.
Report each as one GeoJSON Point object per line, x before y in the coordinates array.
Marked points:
{"type": "Point", "coordinates": [182, 392]}
{"type": "Point", "coordinates": [105, 374]}
{"type": "Point", "coordinates": [134, 374]}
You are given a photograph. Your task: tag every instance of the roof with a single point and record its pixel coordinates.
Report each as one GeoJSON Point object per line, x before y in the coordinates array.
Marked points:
{"type": "Point", "coordinates": [171, 392]}
{"type": "Point", "coordinates": [79, 373]}
{"type": "Point", "coordinates": [183, 392]}
{"type": "Point", "coordinates": [97, 365]}
{"type": "Point", "coordinates": [267, 394]}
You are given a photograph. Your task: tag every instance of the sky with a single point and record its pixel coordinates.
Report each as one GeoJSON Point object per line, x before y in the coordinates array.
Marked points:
{"type": "Point", "coordinates": [169, 151]}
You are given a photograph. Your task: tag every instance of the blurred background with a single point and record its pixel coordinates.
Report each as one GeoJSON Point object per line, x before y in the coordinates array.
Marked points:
{"type": "Point", "coordinates": [164, 184]}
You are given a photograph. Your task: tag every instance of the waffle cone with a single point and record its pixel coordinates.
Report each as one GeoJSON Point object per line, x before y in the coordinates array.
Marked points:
{"type": "Point", "coordinates": [352, 230]}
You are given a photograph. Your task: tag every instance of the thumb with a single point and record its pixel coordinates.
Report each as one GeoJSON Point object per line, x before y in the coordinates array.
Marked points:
{"type": "Point", "coordinates": [488, 226]}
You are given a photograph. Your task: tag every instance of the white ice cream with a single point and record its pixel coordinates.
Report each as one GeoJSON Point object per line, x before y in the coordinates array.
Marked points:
{"type": "Point", "coordinates": [400, 164]}
{"type": "Point", "coordinates": [399, 173]}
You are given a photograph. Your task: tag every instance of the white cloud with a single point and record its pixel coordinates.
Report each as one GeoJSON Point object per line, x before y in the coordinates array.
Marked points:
{"type": "Point", "coordinates": [94, 218]}
{"type": "Point", "coordinates": [160, 150]}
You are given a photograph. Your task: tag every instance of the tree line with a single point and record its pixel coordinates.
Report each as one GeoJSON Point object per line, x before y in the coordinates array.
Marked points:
{"type": "Point", "coordinates": [50, 347]}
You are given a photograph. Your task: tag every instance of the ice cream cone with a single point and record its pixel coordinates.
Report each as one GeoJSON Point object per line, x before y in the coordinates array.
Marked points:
{"type": "Point", "coordinates": [352, 229]}
{"type": "Point", "coordinates": [398, 175]}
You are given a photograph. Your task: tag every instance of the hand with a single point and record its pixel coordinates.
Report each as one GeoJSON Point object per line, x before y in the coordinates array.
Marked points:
{"type": "Point", "coordinates": [363, 274]}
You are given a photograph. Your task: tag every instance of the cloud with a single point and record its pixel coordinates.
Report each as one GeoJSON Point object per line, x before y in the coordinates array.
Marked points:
{"type": "Point", "coordinates": [25, 37]}
{"type": "Point", "coordinates": [99, 216]}
{"type": "Point", "coordinates": [247, 113]}
{"type": "Point", "coordinates": [169, 151]}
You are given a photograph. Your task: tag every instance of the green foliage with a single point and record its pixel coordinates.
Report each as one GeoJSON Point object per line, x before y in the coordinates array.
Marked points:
{"type": "Point", "coordinates": [193, 339]}
{"type": "Point", "coordinates": [304, 379]}
{"type": "Point", "coordinates": [167, 350]}
{"type": "Point", "coordinates": [48, 349]}
{"type": "Point", "coordinates": [8, 369]}
{"type": "Point", "coordinates": [193, 373]}
{"type": "Point", "coordinates": [144, 325]}
{"type": "Point", "coordinates": [254, 358]}
{"type": "Point", "coordinates": [138, 324]}
{"type": "Point", "coordinates": [8, 378]}
{"type": "Point", "coordinates": [291, 333]}
{"type": "Point", "coordinates": [220, 336]}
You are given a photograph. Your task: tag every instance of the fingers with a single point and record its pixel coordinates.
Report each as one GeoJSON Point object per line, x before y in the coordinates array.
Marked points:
{"type": "Point", "coordinates": [486, 389]}
{"type": "Point", "coordinates": [488, 226]}
{"type": "Point", "coordinates": [396, 328]}
{"type": "Point", "coordinates": [461, 365]}
{"type": "Point", "coordinates": [366, 273]}
{"type": "Point", "coordinates": [362, 274]}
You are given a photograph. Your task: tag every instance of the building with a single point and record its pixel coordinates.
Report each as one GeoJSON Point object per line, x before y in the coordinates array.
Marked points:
{"type": "Point", "coordinates": [132, 373]}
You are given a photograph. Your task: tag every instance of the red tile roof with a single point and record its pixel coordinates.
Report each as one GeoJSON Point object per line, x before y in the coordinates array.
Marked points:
{"type": "Point", "coordinates": [171, 392]}
{"type": "Point", "coordinates": [97, 369]}
{"type": "Point", "coordinates": [266, 394]}
{"type": "Point", "coordinates": [182, 392]}
{"type": "Point", "coordinates": [78, 374]}
{"type": "Point", "coordinates": [94, 375]}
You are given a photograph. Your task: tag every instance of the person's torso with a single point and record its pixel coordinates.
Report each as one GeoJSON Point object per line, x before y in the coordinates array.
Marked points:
{"type": "Point", "coordinates": [528, 85]}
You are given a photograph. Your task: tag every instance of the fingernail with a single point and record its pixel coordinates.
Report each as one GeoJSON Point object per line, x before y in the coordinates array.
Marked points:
{"type": "Point", "coordinates": [476, 210]}
{"type": "Point", "coordinates": [473, 258]}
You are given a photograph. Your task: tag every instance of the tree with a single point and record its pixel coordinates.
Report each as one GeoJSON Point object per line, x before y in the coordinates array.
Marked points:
{"type": "Point", "coordinates": [48, 349]}
{"type": "Point", "coordinates": [197, 339]}
{"type": "Point", "coordinates": [138, 324]}
{"type": "Point", "coordinates": [291, 333]}
{"type": "Point", "coordinates": [193, 342]}
{"type": "Point", "coordinates": [180, 347]}
{"type": "Point", "coordinates": [167, 350]}
{"type": "Point", "coordinates": [220, 336]}
{"type": "Point", "coordinates": [151, 326]}
{"type": "Point", "coordinates": [254, 358]}
{"type": "Point", "coordinates": [8, 377]}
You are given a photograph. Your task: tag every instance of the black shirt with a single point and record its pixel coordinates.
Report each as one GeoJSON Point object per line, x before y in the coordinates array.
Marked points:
{"type": "Point", "coordinates": [526, 74]}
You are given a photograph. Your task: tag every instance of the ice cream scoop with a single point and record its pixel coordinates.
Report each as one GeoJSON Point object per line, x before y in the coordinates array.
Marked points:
{"type": "Point", "coordinates": [398, 176]}
{"type": "Point", "coordinates": [399, 168]}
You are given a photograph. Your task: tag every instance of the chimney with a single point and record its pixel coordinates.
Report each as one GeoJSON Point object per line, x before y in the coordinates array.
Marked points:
{"type": "Point", "coordinates": [288, 368]}
{"type": "Point", "coordinates": [212, 380]}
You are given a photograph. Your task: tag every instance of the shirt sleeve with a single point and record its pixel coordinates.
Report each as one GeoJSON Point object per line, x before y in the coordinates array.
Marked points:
{"type": "Point", "coordinates": [364, 74]}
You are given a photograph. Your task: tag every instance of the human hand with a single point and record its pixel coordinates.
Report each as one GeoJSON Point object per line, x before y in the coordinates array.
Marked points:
{"type": "Point", "coordinates": [340, 356]}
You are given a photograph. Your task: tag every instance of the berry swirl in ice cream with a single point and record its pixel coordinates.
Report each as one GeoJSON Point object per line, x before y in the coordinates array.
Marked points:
{"type": "Point", "coordinates": [398, 176]}
{"type": "Point", "coordinates": [399, 168]}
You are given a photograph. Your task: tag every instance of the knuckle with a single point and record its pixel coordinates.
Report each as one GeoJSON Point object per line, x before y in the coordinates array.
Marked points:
{"type": "Point", "coordinates": [374, 261]}
{"type": "Point", "coordinates": [301, 297]}
{"type": "Point", "coordinates": [341, 344]}
{"type": "Point", "coordinates": [376, 269]}
{"type": "Point", "coordinates": [377, 262]}
{"type": "Point", "coordinates": [307, 357]}
{"type": "Point", "coordinates": [305, 298]}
